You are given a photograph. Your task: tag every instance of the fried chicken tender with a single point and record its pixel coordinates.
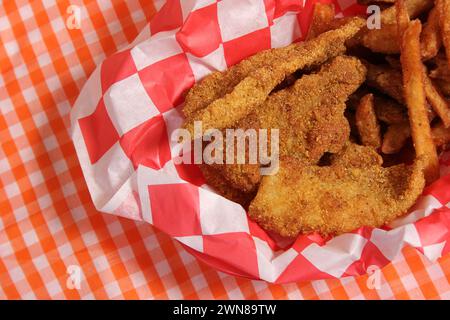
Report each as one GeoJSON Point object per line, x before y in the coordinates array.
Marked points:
{"type": "Point", "coordinates": [218, 182]}
{"type": "Point", "coordinates": [354, 191]}
{"type": "Point", "coordinates": [387, 80]}
{"type": "Point", "coordinates": [309, 116]}
{"type": "Point", "coordinates": [221, 99]}
{"type": "Point", "coordinates": [244, 177]}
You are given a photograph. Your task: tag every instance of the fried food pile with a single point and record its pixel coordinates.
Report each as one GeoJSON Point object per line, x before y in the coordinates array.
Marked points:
{"type": "Point", "coordinates": [362, 115]}
{"type": "Point", "coordinates": [353, 191]}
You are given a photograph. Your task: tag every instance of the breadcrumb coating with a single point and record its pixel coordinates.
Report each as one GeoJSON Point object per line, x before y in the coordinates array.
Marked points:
{"type": "Point", "coordinates": [354, 191]}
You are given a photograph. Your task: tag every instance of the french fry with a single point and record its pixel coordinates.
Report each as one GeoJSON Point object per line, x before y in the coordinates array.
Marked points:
{"type": "Point", "coordinates": [402, 18]}
{"type": "Point", "coordinates": [395, 137]}
{"type": "Point", "coordinates": [372, 39]}
{"type": "Point", "coordinates": [414, 8]}
{"type": "Point", "coordinates": [387, 38]}
{"type": "Point", "coordinates": [443, 8]}
{"type": "Point", "coordinates": [437, 101]}
{"type": "Point", "coordinates": [382, 40]}
{"type": "Point", "coordinates": [367, 123]}
{"type": "Point", "coordinates": [398, 133]}
{"type": "Point", "coordinates": [323, 14]}
{"type": "Point", "coordinates": [389, 111]}
{"type": "Point", "coordinates": [430, 39]}
{"type": "Point", "coordinates": [385, 79]}
{"type": "Point", "coordinates": [413, 74]}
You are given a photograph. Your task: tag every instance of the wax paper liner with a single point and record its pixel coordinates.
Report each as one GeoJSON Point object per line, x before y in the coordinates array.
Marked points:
{"type": "Point", "coordinates": [126, 112]}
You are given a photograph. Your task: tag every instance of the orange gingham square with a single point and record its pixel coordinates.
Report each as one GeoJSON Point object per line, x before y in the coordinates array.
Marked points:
{"type": "Point", "coordinates": [47, 221]}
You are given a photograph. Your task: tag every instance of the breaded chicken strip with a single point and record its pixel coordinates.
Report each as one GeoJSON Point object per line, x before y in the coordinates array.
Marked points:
{"type": "Point", "coordinates": [220, 100]}
{"type": "Point", "coordinates": [387, 80]}
{"type": "Point", "coordinates": [309, 116]}
{"type": "Point", "coordinates": [354, 191]}
{"type": "Point", "coordinates": [216, 180]}
{"type": "Point", "coordinates": [244, 177]}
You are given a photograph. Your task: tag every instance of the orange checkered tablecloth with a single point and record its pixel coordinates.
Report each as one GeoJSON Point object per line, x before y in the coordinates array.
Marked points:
{"type": "Point", "coordinates": [53, 243]}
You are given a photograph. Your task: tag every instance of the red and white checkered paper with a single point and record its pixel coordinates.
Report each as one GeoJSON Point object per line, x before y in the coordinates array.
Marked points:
{"type": "Point", "coordinates": [124, 117]}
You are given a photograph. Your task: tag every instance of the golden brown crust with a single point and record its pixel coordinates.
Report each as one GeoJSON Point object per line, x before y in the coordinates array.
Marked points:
{"type": "Point", "coordinates": [383, 40]}
{"type": "Point", "coordinates": [309, 116]}
{"type": "Point", "coordinates": [215, 179]}
{"type": "Point", "coordinates": [335, 199]}
{"type": "Point", "coordinates": [223, 108]}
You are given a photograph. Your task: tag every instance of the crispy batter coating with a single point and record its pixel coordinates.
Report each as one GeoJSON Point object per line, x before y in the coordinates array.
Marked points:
{"type": "Point", "coordinates": [382, 40]}
{"type": "Point", "coordinates": [222, 99]}
{"type": "Point", "coordinates": [387, 80]}
{"type": "Point", "coordinates": [216, 180]}
{"type": "Point", "coordinates": [353, 191]}
{"type": "Point", "coordinates": [244, 177]}
{"type": "Point", "coordinates": [309, 116]}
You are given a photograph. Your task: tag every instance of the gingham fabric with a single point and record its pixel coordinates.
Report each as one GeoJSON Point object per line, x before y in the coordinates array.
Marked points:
{"type": "Point", "coordinates": [48, 223]}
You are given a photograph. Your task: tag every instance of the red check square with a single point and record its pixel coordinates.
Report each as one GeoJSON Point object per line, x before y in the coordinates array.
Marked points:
{"type": "Point", "coordinates": [200, 34]}
{"type": "Point", "coordinates": [439, 190]}
{"type": "Point", "coordinates": [169, 17]}
{"type": "Point", "coordinates": [240, 48]}
{"type": "Point", "coordinates": [175, 209]}
{"type": "Point", "coordinates": [147, 144]}
{"type": "Point", "coordinates": [237, 250]}
{"type": "Point", "coordinates": [98, 132]}
{"type": "Point", "coordinates": [117, 67]}
{"type": "Point", "coordinates": [283, 6]}
{"type": "Point", "coordinates": [438, 222]}
{"type": "Point", "coordinates": [167, 80]}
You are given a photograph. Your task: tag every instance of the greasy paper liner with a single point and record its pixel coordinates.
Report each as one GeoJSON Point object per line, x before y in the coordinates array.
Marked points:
{"type": "Point", "coordinates": [126, 112]}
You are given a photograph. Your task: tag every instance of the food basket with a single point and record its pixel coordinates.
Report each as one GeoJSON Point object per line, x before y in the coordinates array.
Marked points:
{"type": "Point", "coordinates": [124, 116]}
